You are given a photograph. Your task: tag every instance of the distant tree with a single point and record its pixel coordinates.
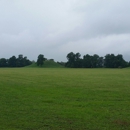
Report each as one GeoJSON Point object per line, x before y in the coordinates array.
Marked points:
{"type": "Point", "coordinates": [87, 61]}
{"type": "Point", "coordinates": [26, 61]}
{"type": "Point", "coordinates": [71, 60]}
{"type": "Point", "coordinates": [78, 61]}
{"type": "Point", "coordinates": [108, 61]}
{"type": "Point", "coordinates": [22, 61]}
{"type": "Point", "coordinates": [74, 60]}
{"type": "Point", "coordinates": [12, 61]}
{"type": "Point", "coordinates": [120, 62]}
{"type": "Point", "coordinates": [95, 61]}
{"type": "Point", "coordinates": [51, 60]}
{"type": "Point", "coordinates": [112, 61]}
{"type": "Point", "coordinates": [19, 62]}
{"type": "Point", "coordinates": [61, 63]}
{"type": "Point", "coordinates": [40, 60]}
{"type": "Point", "coordinates": [3, 62]}
{"type": "Point", "coordinates": [129, 63]}
{"type": "Point", "coordinates": [15, 62]}
{"type": "Point", "coordinates": [101, 62]}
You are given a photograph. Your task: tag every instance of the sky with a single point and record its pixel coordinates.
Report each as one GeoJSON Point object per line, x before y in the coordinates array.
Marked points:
{"type": "Point", "coordinates": [55, 28]}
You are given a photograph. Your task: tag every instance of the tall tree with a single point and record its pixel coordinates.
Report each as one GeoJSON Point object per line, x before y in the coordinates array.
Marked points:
{"type": "Point", "coordinates": [129, 63]}
{"type": "Point", "coordinates": [112, 61]}
{"type": "Point", "coordinates": [15, 62]}
{"type": "Point", "coordinates": [74, 60]}
{"type": "Point", "coordinates": [120, 62]}
{"type": "Point", "coordinates": [101, 62]}
{"type": "Point", "coordinates": [78, 61]}
{"type": "Point", "coordinates": [87, 63]}
{"type": "Point", "coordinates": [40, 60]}
{"type": "Point", "coordinates": [71, 60]}
{"type": "Point", "coordinates": [3, 62]}
{"type": "Point", "coordinates": [12, 61]}
{"type": "Point", "coordinates": [94, 61]}
{"type": "Point", "coordinates": [20, 61]}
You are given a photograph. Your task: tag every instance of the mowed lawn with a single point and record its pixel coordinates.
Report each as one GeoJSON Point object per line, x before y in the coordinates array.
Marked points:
{"type": "Point", "coordinates": [64, 99]}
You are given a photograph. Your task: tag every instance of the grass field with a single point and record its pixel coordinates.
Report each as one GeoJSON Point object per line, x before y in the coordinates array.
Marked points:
{"type": "Point", "coordinates": [47, 64]}
{"type": "Point", "coordinates": [64, 99]}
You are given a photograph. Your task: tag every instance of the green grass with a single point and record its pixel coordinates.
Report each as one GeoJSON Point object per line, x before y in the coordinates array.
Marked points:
{"type": "Point", "coordinates": [64, 99]}
{"type": "Point", "coordinates": [47, 64]}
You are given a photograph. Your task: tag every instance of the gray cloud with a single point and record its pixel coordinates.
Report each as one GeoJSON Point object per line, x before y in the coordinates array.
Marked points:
{"type": "Point", "coordinates": [54, 28]}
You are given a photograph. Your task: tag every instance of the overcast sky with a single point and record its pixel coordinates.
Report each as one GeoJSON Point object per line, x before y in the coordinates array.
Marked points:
{"type": "Point", "coordinates": [56, 27]}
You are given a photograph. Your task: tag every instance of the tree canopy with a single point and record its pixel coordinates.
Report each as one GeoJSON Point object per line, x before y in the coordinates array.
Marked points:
{"type": "Point", "coordinates": [40, 60]}
{"type": "Point", "coordinates": [15, 62]}
{"type": "Point", "coordinates": [95, 61]}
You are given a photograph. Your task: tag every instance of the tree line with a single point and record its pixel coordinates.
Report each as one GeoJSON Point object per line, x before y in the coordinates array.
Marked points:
{"type": "Point", "coordinates": [15, 62]}
{"type": "Point", "coordinates": [74, 61]}
{"type": "Point", "coordinates": [95, 61]}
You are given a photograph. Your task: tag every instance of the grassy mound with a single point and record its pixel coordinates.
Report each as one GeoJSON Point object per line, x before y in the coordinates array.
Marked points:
{"type": "Point", "coordinates": [47, 64]}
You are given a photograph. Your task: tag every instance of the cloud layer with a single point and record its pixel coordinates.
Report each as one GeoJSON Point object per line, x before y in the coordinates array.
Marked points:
{"type": "Point", "coordinates": [55, 28]}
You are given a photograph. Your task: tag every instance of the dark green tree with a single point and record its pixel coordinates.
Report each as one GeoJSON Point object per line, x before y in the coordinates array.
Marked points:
{"type": "Point", "coordinates": [100, 62]}
{"type": "Point", "coordinates": [95, 61]}
{"type": "Point", "coordinates": [120, 62]}
{"type": "Point", "coordinates": [87, 61]}
{"type": "Point", "coordinates": [15, 62]}
{"type": "Point", "coordinates": [12, 61]}
{"type": "Point", "coordinates": [112, 61]}
{"type": "Point", "coordinates": [78, 61]}
{"type": "Point", "coordinates": [71, 60]}
{"type": "Point", "coordinates": [74, 60]}
{"type": "Point", "coordinates": [40, 60]}
{"type": "Point", "coordinates": [26, 61]}
{"type": "Point", "coordinates": [19, 62]}
{"type": "Point", "coordinates": [3, 62]}
{"type": "Point", "coordinates": [22, 61]}
{"type": "Point", "coordinates": [129, 63]}
{"type": "Point", "coordinates": [108, 61]}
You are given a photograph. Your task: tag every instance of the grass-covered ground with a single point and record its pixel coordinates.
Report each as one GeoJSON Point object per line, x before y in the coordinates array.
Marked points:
{"type": "Point", "coordinates": [64, 99]}
{"type": "Point", "coordinates": [47, 64]}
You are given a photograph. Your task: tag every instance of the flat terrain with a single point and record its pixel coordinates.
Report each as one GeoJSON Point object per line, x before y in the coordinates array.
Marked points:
{"type": "Point", "coordinates": [64, 99]}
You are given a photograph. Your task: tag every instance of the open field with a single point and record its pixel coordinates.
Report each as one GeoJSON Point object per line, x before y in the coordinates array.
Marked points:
{"type": "Point", "coordinates": [64, 99]}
